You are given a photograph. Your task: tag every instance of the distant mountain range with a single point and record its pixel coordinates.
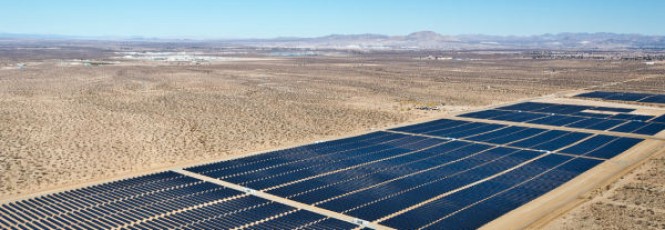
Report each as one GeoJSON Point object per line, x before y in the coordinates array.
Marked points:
{"type": "Point", "coordinates": [432, 40]}
{"type": "Point", "coordinates": [417, 40]}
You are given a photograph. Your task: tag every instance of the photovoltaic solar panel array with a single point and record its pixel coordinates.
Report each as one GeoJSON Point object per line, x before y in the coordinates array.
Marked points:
{"type": "Point", "coordinates": [440, 174]}
{"type": "Point", "coordinates": [158, 201]}
{"type": "Point", "coordinates": [408, 181]}
{"type": "Point", "coordinates": [542, 140]}
{"type": "Point", "coordinates": [575, 116]}
{"type": "Point", "coordinates": [625, 96]}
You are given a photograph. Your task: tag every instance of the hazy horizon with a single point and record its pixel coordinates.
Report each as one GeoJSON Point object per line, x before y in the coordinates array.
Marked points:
{"type": "Point", "coordinates": [131, 37]}
{"type": "Point", "coordinates": [275, 19]}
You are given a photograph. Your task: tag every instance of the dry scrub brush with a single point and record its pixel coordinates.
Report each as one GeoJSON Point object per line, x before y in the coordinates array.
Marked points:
{"type": "Point", "coordinates": [66, 126]}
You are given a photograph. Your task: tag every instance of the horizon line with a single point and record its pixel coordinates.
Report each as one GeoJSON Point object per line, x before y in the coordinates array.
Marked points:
{"type": "Point", "coordinates": [207, 38]}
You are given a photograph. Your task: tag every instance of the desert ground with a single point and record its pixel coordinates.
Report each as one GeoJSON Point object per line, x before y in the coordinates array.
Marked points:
{"type": "Point", "coordinates": [65, 121]}
{"type": "Point", "coordinates": [633, 202]}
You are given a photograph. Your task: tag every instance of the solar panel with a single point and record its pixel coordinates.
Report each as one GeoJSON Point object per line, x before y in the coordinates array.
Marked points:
{"type": "Point", "coordinates": [475, 215]}
{"type": "Point", "coordinates": [540, 138]}
{"type": "Point", "coordinates": [376, 202]}
{"type": "Point", "coordinates": [629, 127]}
{"type": "Point", "coordinates": [633, 117]}
{"type": "Point", "coordinates": [562, 109]}
{"type": "Point", "coordinates": [591, 115]}
{"type": "Point", "coordinates": [660, 99]}
{"type": "Point", "coordinates": [585, 123]}
{"type": "Point", "coordinates": [486, 114]}
{"type": "Point", "coordinates": [602, 146]}
{"type": "Point", "coordinates": [651, 129]}
{"type": "Point", "coordinates": [496, 134]}
{"type": "Point", "coordinates": [328, 186]}
{"type": "Point", "coordinates": [560, 142]}
{"type": "Point", "coordinates": [526, 106]}
{"type": "Point", "coordinates": [519, 116]}
{"type": "Point", "coordinates": [605, 125]}
{"type": "Point", "coordinates": [516, 136]}
{"type": "Point", "coordinates": [468, 130]}
{"type": "Point", "coordinates": [610, 109]}
{"type": "Point", "coordinates": [614, 148]}
{"type": "Point", "coordinates": [659, 119]}
{"type": "Point", "coordinates": [312, 167]}
{"type": "Point", "coordinates": [573, 116]}
{"type": "Point", "coordinates": [428, 126]}
{"type": "Point", "coordinates": [625, 96]}
{"type": "Point", "coordinates": [126, 201]}
{"type": "Point", "coordinates": [271, 158]}
{"type": "Point", "coordinates": [430, 213]}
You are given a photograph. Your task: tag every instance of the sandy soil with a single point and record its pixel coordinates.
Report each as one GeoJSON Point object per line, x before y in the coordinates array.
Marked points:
{"type": "Point", "coordinates": [636, 201]}
{"type": "Point", "coordinates": [651, 83]}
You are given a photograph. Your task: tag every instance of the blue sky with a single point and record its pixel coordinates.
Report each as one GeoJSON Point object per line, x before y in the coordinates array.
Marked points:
{"type": "Point", "coordinates": [307, 18]}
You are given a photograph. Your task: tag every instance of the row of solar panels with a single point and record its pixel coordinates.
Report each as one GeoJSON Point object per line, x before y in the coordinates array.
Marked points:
{"type": "Point", "coordinates": [477, 205]}
{"type": "Point", "coordinates": [574, 116]}
{"type": "Point", "coordinates": [625, 96]}
{"type": "Point", "coordinates": [158, 201]}
{"type": "Point", "coordinates": [583, 111]}
{"type": "Point", "coordinates": [375, 176]}
{"type": "Point", "coordinates": [585, 144]}
{"type": "Point", "coordinates": [578, 111]}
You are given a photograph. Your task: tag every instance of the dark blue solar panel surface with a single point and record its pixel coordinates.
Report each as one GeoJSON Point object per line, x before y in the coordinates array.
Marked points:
{"type": "Point", "coordinates": [497, 134]}
{"type": "Point", "coordinates": [376, 180]}
{"type": "Point", "coordinates": [273, 176]}
{"type": "Point", "coordinates": [516, 136]}
{"type": "Point", "coordinates": [563, 109]}
{"type": "Point", "coordinates": [540, 138]}
{"type": "Point", "coordinates": [632, 117]}
{"type": "Point", "coordinates": [241, 212]}
{"type": "Point", "coordinates": [650, 129]}
{"type": "Point", "coordinates": [660, 119]}
{"type": "Point", "coordinates": [519, 116]}
{"type": "Point", "coordinates": [602, 146]}
{"type": "Point", "coordinates": [659, 99]}
{"type": "Point", "coordinates": [379, 202]}
{"type": "Point", "coordinates": [640, 128]}
{"type": "Point", "coordinates": [474, 216]}
{"type": "Point", "coordinates": [610, 109]}
{"type": "Point", "coordinates": [322, 188]}
{"type": "Point", "coordinates": [531, 138]}
{"type": "Point", "coordinates": [470, 208]}
{"type": "Point", "coordinates": [151, 202]}
{"type": "Point", "coordinates": [628, 97]}
{"type": "Point", "coordinates": [283, 156]}
{"type": "Point", "coordinates": [467, 130]}
{"type": "Point", "coordinates": [605, 125]}
{"type": "Point", "coordinates": [629, 127]}
{"type": "Point", "coordinates": [554, 143]}
{"type": "Point", "coordinates": [625, 96]}
{"type": "Point", "coordinates": [126, 201]}
{"type": "Point", "coordinates": [586, 123]}
{"type": "Point", "coordinates": [574, 116]}
{"type": "Point", "coordinates": [595, 94]}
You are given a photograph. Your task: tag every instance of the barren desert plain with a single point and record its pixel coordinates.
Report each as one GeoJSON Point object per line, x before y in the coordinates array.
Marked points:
{"type": "Point", "coordinates": [81, 115]}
